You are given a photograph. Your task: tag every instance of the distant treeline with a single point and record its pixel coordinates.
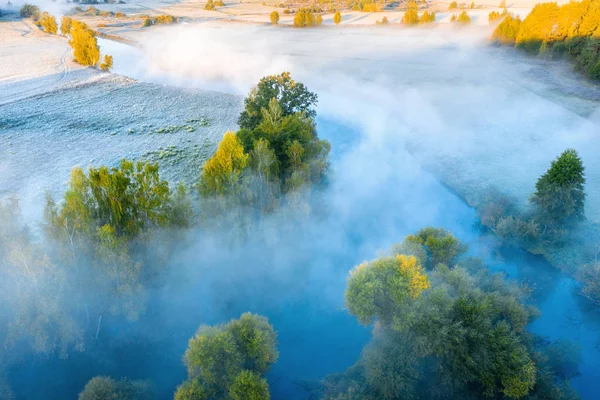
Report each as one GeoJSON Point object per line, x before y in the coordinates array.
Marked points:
{"type": "Point", "coordinates": [569, 31]}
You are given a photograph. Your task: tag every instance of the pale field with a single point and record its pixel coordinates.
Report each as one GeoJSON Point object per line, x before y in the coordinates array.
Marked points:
{"type": "Point", "coordinates": [477, 117]}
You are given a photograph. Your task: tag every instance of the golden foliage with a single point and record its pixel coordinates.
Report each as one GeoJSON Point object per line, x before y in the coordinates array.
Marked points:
{"type": "Point", "coordinates": [84, 44]}
{"type": "Point", "coordinates": [48, 23]}
{"type": "Point", "coordinates": [221, 174]}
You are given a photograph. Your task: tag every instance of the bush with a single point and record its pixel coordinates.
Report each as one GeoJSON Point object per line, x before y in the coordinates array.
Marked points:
{"type": "Point", "coordinates": [119, 14]}
{"type": "Point", "coordinates": [107, 64]}
{"type": "Point", "coordinates": [453, 5]}
{"type": "Point", "coordinates": [287, 11]}
{"type": "Point", "coordinates": [30, 11]}
{"type": "Point", "coordinates": [274, 16]}
{"type": "Point", "coordinates": [384, 21]}
{"type": "Point", "coordinates": [337, 18]}
{"type": "Point", "coordinates": [219, 3]}
{"type": "Point", "coordinates": [48, 23]}
{"type": "Point", "coordinates": [411, 17]}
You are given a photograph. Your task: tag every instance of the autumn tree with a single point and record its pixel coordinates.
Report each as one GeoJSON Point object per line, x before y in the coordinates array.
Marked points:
{"type": "Point", "coordinates": [274, 16]}
{"type": "Point", "coordinates": [453, 5]}
{"type": "Point", "coordinates": [305, 18]}
{"type": "Point", "coordinates": [84, 44]}
{"type": "Point", "coordinates": [463, 18]}
{"type": "Point", "coordinates": [48, 23]}
{"type": "Point", "coordinates": [560, 195]}
{"type": "Point", "coordinates": [506, 32]}
{"type": "Point", "coordinates": [230, 360]}
{"type": "Point", "coordinates": [427, 18]}
{"type": "Point", "coordinates": [221, 174]}
{"type": "Point", "coordinates": [337, 18]}
{"type": "Point", "coordinates": [65, 25]}
{"type": "Point", "coordinates": [411, 16]}
{"type": "Point", "coordinates": [107, 64]}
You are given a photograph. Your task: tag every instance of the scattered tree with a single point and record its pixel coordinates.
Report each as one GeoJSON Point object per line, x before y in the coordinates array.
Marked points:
{"type": "Point", "coordinates": [274, 16]}
{"type": "Point", "coordinates": [210, 6]}
{"type": "Point", "coordinates": [337, 18]}
{"type": "Point", "coordinates": [411, 16]}
{"type": "Point", "coordinates": [384, 21]}
{"type": "Point", "coordinates": [453, 5]}
{"type": "Point", "coordinates": [427, 18]}
{"type": "Point", "coordinates": [305, 17]}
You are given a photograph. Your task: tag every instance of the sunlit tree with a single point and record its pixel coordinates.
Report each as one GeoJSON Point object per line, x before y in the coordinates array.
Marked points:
{"type": "Point", "coordinates": [221, 174]}
{"type": "Point", "coordinates": [274, 16]}
{"type": "Point", "coordinates": [84, 44]}
{"type": "Point", "coordinates": [337, 18]}
{"type": "Point", "coordinates": [65, 25]}
{"type": "Point", "coordinates": [48, 23]}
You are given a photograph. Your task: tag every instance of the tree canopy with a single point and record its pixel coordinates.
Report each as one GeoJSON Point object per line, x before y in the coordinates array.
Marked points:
{"type": "Point", "coordinates": [230, 360]}
{"type": "Point", "coordinates": [458, 333]}
{"type": "Point", "coordinates": [560, 194]}
{"type": "Point", "coordinates": [84, 44]}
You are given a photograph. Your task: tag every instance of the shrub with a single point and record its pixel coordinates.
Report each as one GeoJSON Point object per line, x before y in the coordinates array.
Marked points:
{"type": "Point", "coordinates": [147, 22]}
{"type": "Point", "coordinates": [337, 18]}
{"type": "Point", "coordinates": [30, 11]}
{"type": "Point", "coordinates": [384, 21]}
{"type": "Point", "coordinates": [120, 14]}
{"type": "Point", "coordinates": [219, 3]}
{"type": "Point", "coordinates": [453, 5]}
{"type": "Point", "coordinates": [274, 16]}
{"type": "Point", "coordinates": [107, 64]}
{"type": "Point", "coordinates": [472, 6]}
{"type": "Point", "coordinates": [287, 11]}
{"type": "Point", "coordinates": [102, 387]}
{"type": "Point", "coordinates": [48, 23]}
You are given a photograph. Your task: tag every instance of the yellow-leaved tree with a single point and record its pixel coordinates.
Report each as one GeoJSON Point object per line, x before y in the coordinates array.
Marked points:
{"type": "Point", "coordinates": [84, 44]}
{"type": "Point", "coordinates": [48, 23]}
{"type": "Point", "coordinates": [377, 288]}
{"type": "Point", "coordinates": [221, 174]}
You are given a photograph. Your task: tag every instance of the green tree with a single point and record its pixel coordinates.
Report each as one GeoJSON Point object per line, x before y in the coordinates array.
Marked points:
{"type": "Point", "coordinates": [337, 18]}
{"type": "Point", "coordinates": [560, 195]}
{"type": "Point", "coordinates": [461, 333]}
{"type": "Point", "coordinates": [106, 388]}
{"type": "Point", "coordinates": [442, 246]}
{"type": "Point", "coordinates": [274, 16]}
{"type": "Point", "coordinates": [29, 11]}
{"type": "Point", "coordinates": [293, 97]}
{"type": "Point", "coordinates": [230, 360]}
{"type": "Point", "coordinates": [84, 44]}
{"type": "Point", "coordinates": [427, 18]}
{"type": "Point", "coordinates": [65, 25]}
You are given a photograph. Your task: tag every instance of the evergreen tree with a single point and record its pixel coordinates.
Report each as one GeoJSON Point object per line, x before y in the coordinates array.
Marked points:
{"type": "Point", "coordinates": [560, 194]}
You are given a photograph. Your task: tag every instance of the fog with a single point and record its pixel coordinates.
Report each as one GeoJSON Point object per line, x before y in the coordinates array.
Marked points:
{"type": "Point", "coordinates": [421, 123]}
